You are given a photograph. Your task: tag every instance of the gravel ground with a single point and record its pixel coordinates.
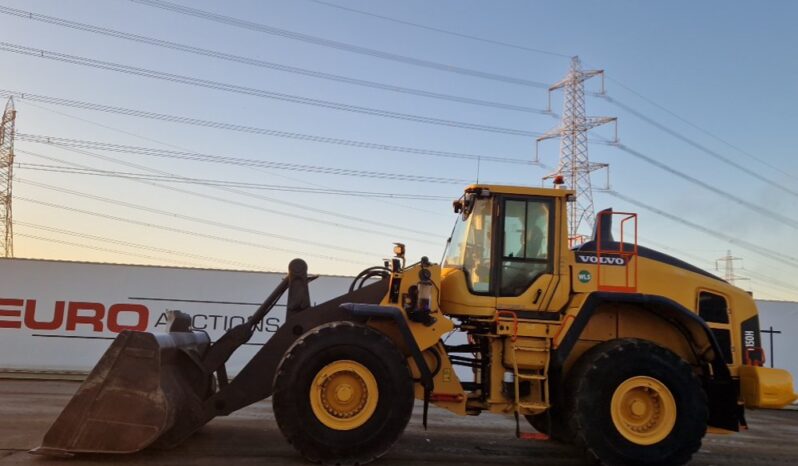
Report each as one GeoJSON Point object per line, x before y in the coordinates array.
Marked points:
{"type": "Point", "coordinates": [251, 436]}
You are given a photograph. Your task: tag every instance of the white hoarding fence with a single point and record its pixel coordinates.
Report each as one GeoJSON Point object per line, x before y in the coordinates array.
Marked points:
{"type": "Point", "coordinates": [782, 316]}
{"type": "Point", "coordinates": [61, 316]}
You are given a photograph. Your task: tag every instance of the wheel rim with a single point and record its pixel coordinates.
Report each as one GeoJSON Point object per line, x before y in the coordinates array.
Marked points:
{"type": "Point", "coordinates": [344, 395]}
{"type": "Point", "coordinates": [643, 410]}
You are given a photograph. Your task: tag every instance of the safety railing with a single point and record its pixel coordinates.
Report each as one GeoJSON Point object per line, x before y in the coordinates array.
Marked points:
{"type": "Point", "coordinates": [625, 255]}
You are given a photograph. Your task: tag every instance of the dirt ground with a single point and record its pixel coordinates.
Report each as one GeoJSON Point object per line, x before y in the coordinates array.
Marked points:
{"type": "Point", "coordinates": [251, 436]}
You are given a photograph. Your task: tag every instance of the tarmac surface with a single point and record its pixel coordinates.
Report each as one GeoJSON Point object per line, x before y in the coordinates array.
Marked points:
{"type": "Point", "coordinates": [251, 436]}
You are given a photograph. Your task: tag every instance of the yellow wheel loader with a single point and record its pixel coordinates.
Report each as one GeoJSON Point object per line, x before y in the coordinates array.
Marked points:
{"type": "Point", "coordinates": [626, 353]}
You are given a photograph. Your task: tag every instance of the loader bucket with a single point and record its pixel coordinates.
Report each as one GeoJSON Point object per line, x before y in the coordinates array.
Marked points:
{"type": "Point", "coordinates": [144, 385]}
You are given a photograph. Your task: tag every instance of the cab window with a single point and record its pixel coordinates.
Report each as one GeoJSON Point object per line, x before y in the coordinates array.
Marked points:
{"type": "Point", "coordinates": [470, 247]}
{"type": "Point", "coordinates": [713, 308]}
{"type": "Point", "coordinates": [525, 246]}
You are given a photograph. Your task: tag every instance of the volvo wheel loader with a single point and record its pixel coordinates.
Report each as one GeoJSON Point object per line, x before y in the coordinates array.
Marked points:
{"type": "Point", "coordinates": [626, 353]}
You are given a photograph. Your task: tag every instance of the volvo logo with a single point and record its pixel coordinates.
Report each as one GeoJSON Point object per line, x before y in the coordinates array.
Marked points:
{"type": "Point", "coordinates": [603, 260]}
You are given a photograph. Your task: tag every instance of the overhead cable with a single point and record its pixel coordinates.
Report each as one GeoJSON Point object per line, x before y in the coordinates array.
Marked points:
{"type": "Point", "coordinates": [134, 245]}
{"type": "Point", "coordinates": [236, 161]}
{"type": "Point", "coordinates": [261, 93]}
{"type": "Point", "coordinates": [367, 225]}
{"type": "Point", "coordinates": [157, 259]}
{"type": "Point", "coordinates": [699, 128]}
{"type": "Point", "coordinates": [443, 31]}
{"type": "Point", "coordinates": [263, 28]}
{"type": "Point", "coordinates": [304, 181]}
{"type": "Point", "coordinates": [227, 183]}
{"type": "Point", "coordinates": [757, 208]}
{"type": "Point", "coordinates": [25, 96]}
{"type": "Point", "coordinates": [190, 218]}
{"type": "Point", "coordinates": [778, 256]}
{"type": "Point", "coordinates": [702, 148]}
{"type": "Point", "coordinates": [190, 233]}
{"type": "Point", "coordinates": [263, 63]}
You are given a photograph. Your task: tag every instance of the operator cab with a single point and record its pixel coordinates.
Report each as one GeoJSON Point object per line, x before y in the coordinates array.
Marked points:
{"type": "Point", "coordinates": [503, 247]}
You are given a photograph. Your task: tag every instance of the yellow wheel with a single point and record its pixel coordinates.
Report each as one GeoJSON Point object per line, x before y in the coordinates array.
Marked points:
{"type": "Point", "coordinates": [631, 401]}
{"type": "Point", "coordinates": [344, 395]}
{"type": "Point", "coordinates": [643, 410]}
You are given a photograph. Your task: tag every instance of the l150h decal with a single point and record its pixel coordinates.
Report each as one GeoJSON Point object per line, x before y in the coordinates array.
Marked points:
{"type": "Point", "coordinates": [753, 355]}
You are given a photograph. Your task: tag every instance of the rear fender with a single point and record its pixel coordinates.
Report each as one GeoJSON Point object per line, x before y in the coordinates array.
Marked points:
{"type": "Point", "coordinates": [722, 390]}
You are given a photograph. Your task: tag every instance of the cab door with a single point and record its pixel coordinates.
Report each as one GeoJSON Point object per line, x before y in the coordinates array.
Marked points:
{"type": "Point", "coordinates": [467, 275]}
{"type": "Point", "coordinates": [526, 250]}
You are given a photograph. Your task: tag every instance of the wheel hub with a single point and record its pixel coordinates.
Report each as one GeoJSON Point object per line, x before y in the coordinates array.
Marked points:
{"type": "Point", "coordinates": [643, 410]}
{"type": "Point", "coordinates": [344, 395]}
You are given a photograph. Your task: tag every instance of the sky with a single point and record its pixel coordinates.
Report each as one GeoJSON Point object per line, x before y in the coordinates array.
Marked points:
{"type": "Point", "coordinates": [690, 83]}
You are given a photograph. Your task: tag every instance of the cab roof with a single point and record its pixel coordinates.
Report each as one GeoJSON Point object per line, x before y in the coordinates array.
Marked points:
{"type": "Point", "coordinates": [521, 190]}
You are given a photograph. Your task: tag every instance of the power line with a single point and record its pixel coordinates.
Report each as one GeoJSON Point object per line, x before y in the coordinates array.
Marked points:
{"type": "Point", "coordinates": [415, 208]}
{"type": "Point", "coordinates": [442, 31]}
{"type": "Point", "coordinates": [699, 128]}
{"type": "Point", "coordinates": [226, 87]}
{"type": "Point", "coordinates": [758, 208]}
{"type": "Point", "coordinates": [97, 248]}
{"type": "Point", "coordinates": [225, 183]}
{"type": "Point", "coordinates": [134, 245]}
{"type": "Point", "coordinates": [235, 161]}
{"type": "Point", "coordinates": [190, 233]}
{"type": "Point", "coordinates": [262, 63]}
{"type": "Point", "coordinates": [700, 147]}
{"type": "Point", "coordinates": [760, 284]}
{"type": "Point", "coordinates": [23, 96]}
{"type": "Point", "coordinates": [263, 28]}
{"type": "Point", "coordinates": [770, 296]}
{"type": "Point", "coordinates": [366, 228]}
{"type": "Point", "coordinates": [777, 256]}
{"type": "Point", "coordinates": [792, 287]}
{"type": "Point", "coordinates": [180, 216]}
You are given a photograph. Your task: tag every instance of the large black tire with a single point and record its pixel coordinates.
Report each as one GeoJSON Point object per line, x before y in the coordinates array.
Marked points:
{"type": "Point", "coordinates": [601, 371]}
{"type": "Point", "coordinates": [330, 344]}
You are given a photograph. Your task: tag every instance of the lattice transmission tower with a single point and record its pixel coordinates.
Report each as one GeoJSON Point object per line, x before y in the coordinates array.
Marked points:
{"type": "Point", "coordinates": [728, 268]}
{"type": "Point", "coordinates": [6, 176]}
{"type": "Point", "coordinates": [575, 167]}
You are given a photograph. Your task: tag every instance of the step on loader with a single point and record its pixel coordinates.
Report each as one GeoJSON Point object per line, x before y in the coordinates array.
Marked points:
{"type": "Point", "coordinates": [624, 352]}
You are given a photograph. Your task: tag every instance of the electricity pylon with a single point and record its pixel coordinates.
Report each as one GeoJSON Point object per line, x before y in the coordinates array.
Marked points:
{"type": "Point", "coordinates": [6, 176]}
{"type": "Point", "coordinates": [575, 167]}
